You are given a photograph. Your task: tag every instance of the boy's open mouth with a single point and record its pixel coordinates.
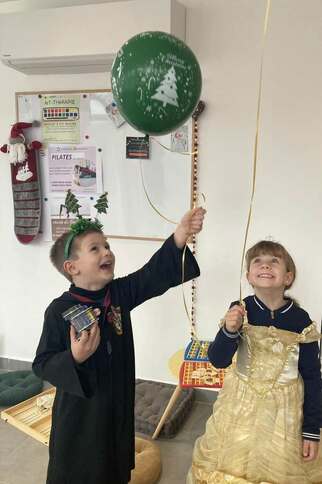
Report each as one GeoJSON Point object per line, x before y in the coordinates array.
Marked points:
{"type": "Point", "coordinates": [106, 265]}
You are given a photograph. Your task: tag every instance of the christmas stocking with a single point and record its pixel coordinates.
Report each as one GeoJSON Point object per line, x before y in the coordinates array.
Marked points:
{"type": "Point", "coordinates": [25, 183]}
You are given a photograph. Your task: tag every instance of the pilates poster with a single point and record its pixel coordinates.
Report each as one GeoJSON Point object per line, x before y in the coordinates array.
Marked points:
{"type": "Point", "coordinates": [73, 167]}
{"type": "Point", "coordinates": [60, 118]}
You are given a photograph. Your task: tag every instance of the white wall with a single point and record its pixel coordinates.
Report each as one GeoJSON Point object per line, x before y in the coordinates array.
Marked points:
{"type": "Point", "coordinates": [225, 35]}
{"type": "Point", "coordinates": [105, 27]}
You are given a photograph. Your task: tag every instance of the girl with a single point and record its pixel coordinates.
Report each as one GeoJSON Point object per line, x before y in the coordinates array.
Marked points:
{"type": "Point", "coordinates": [265, 426]}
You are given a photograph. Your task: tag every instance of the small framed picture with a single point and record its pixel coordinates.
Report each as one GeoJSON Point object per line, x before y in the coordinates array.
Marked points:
{"type": "Point", "coordinates": [138, 147]}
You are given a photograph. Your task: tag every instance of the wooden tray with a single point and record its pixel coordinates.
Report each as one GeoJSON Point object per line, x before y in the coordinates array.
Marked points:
{"type": "Point", "coordinates": [29, 418]}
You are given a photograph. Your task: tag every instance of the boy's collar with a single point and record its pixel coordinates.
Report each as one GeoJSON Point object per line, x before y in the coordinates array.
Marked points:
{"type": "Point", "coordinates": [79, 291]}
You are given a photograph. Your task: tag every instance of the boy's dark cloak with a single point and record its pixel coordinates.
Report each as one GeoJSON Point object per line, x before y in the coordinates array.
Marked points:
{"type": "Point", "coordinates": [92, 436]}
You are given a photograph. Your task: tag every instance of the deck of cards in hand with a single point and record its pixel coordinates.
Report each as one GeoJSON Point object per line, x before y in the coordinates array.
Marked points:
{"type": "Point", "coordinates": [81, 317]}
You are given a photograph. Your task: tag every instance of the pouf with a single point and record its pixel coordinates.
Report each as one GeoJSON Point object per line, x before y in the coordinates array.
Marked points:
{"type": "Point", "coordinates": [147, 462]}
{"type": "Point", "coordinates": [17, 386]}
{"type": "Point", "coordinates": [151, 399]}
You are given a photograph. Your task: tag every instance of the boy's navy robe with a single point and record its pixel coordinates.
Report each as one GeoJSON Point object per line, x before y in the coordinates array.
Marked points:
{"type": "Point", "coordinates": [92, 436]}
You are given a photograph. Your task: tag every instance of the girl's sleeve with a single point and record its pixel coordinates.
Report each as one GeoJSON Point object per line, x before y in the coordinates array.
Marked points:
{"type": "Point", "coordinates": [54, 361]}
{"type": "Point", "coordinates": [310, 370]}
{"type": "Point", "coordinates": [163, 271]}
{"type": "Point", "coordinates": [223, 348]}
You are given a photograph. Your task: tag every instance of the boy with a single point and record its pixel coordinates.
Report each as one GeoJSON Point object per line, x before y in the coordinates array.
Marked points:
{"type": "Point", "coordinates": [92, 436]}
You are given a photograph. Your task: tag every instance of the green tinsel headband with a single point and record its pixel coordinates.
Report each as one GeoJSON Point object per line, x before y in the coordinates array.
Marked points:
{"type": "Point", "coordinates": [82, 224]}
{"type": "Point", "coordinates": [78, 228]}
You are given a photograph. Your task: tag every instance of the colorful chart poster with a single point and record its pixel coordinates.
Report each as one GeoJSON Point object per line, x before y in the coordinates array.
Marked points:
{"type": "Point", "coordinates": [72, 167]}
{"type": "Point", "coordinates": [60, 118]}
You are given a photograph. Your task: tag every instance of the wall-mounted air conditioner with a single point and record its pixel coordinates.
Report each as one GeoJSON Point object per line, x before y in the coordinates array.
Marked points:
{"type": "Point", "coordinates": [76, 64]}
{"type": "Point", "coordinates": [82, 38]}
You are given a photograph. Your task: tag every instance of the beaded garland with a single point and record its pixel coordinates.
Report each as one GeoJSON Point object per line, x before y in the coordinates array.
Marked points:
{"type": "Point", "coordinates": [195, 150]}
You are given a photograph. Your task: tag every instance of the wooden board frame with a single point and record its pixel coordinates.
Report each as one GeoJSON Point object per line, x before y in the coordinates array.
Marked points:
{"type": "Point", "coordinates": [30, 419]}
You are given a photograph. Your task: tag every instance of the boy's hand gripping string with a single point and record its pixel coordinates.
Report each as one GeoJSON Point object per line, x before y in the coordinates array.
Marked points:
{"type": "Point", "coordinates": [191, 319]}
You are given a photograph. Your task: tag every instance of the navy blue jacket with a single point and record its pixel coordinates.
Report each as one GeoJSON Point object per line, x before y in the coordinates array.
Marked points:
{"type": "Point", "coordinates": [290, 317]}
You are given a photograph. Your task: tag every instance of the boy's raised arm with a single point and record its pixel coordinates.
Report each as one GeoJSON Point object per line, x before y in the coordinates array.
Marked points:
{"type": "Point", "coordinates": [164, 269]}
{"type": "Point", "coordinates": [191, 223]}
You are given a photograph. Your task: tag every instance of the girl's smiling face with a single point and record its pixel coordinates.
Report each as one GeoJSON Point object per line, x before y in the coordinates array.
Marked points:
{"type": "Point", "coordinates": [269, 271]}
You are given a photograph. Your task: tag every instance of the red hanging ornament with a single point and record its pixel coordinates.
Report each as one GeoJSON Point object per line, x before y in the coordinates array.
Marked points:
{"type": "Point", "coordinates": [25, 182]}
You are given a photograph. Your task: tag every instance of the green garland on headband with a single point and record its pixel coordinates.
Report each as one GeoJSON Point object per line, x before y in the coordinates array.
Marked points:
{"type": "Point", "coordinates": [82, 224]}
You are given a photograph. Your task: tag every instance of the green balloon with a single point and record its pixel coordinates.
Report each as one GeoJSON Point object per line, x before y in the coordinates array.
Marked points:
{"type": "Point", "coordinates": [156, 82]}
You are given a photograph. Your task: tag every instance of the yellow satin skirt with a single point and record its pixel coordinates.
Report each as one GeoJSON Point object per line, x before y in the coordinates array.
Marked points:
{"type": "Point", "coordinates": [254, 439]}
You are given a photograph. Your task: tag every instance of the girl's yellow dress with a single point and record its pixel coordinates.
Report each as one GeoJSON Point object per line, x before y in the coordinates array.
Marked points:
{"type": "Point", "coordinates": [254, 433]}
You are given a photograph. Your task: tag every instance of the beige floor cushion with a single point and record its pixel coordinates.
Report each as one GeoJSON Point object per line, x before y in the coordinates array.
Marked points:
{"type": "Point", "coordinates": [147, 462]}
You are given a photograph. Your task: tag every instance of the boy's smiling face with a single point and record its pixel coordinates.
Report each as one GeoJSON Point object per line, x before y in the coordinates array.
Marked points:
{"type": "Point", "coordinates": [93, 266]}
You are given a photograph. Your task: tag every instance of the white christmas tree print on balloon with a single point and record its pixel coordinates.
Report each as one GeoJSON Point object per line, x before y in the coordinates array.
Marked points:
{"type": "Point", "coordinates": [167, 91]}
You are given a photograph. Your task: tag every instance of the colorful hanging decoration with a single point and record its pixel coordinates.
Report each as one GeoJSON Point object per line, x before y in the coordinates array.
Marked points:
{"type": "Point", "coordinates": [25, 182]}
{"type": "Point", "coordinates": [200, 374]}
{"type": "Point", "coordinates": [196, 369]}
{"type": "Point", "coordinates": [197, 350]}
{"type": "Point", "coordinates": [195, 146]}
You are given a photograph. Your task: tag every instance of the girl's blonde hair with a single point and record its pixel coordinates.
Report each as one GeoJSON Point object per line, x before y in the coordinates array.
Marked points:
{"type": "Point", "coordinates": [275, 249]}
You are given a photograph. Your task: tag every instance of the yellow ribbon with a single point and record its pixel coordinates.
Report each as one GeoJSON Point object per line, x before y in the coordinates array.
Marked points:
{"type": "Point", "coordinates": [259, 100]}
{"type": "Point", "coordinates": [150, 202]}
{"type": "Point", "coordinates": [193, 331]}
